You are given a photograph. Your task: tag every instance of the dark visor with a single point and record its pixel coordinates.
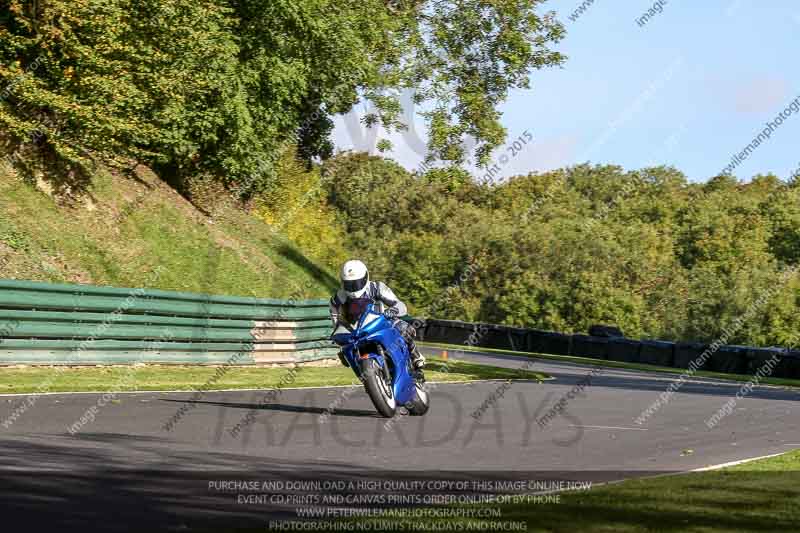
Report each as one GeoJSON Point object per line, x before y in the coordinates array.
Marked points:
{"type": "Point", "coordinates": [354, 285]}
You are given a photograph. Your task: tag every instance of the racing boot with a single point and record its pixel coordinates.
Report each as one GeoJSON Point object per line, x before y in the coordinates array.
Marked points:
{"type": "Point", "coordinates": [417, 361]}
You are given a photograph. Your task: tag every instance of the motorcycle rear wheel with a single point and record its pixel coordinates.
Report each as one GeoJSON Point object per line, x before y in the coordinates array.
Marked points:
{"type": "Point", "coordinates": [421, 402]}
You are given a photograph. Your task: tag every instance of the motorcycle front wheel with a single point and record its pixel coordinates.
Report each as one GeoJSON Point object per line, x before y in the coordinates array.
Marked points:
{"type": "Point", "coordinates": [379, 387]}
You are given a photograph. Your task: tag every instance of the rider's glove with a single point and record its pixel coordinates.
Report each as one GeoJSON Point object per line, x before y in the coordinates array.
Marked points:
{"type": "Point", "coordinates": [391, 313]}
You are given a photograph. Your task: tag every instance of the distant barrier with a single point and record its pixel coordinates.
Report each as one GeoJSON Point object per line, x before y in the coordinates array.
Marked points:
{"type": "Point", "coordinates": [727, 359]}
{"type": "Point", "coordinates": [42, 323]}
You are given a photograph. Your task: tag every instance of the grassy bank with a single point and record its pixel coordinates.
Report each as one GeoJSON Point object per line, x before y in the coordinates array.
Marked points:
{"type": "Point", "coordinates": [164, 377]}
{"type": "Point", "coordinates": [126, 226]}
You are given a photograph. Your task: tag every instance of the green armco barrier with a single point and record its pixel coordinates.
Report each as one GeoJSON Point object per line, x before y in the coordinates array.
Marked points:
{"type": "Point", "coordinates": [98, 318]}
{"type": "Point", "coordinates": [43, 323]}
{"type": "Point", "coordinates": [61, 330]}
{"type": "Point", "coordinates": [68, 345]}
{"type": "Point", "coordinates": [89, 290]}
{"type": "Point", "coordinates": [147, 305]}
{"type": "Point", "coordinates": [78, 346]}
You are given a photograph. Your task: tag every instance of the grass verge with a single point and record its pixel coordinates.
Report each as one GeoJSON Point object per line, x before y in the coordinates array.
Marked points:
{"type": "Point", "coordinates": [780, 382]}
{"type": "Point", "coordinates": [762, 495]}
{"type": "Point", "coordinates": [189, 378]}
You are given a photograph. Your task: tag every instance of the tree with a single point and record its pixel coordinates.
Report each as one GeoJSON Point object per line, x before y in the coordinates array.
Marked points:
{"type": "Point", "coordinates": [222, 87]}
{"type": "Point", "coordinates": [464, 57]}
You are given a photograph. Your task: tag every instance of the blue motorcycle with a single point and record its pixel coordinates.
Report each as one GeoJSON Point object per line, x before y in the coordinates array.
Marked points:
{"type": "Point", "coordinates": [379, 356]}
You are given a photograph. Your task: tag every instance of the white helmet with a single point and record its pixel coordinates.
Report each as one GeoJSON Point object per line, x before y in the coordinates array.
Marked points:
{"type": "Point", "coordinates": [354, 276]}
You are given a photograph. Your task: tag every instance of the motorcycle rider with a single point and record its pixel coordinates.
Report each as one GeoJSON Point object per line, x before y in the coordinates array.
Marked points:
{"type": "Point", "coordinates": [355, 283]}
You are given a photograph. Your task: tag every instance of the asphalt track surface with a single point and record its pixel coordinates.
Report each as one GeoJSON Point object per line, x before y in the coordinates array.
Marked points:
{"type": "Point", "coordinates": [123, 471]}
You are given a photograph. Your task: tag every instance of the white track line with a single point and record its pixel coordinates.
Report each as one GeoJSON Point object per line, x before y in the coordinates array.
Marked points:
{"type": "Point", "coordinates": [608, 427]}
{"type": "Point", "coordinates": [734, 463]}
{"type": "Point", "coordinates": [670, 474]}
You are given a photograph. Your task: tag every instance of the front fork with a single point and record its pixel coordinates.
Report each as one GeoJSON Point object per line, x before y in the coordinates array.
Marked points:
{"type": "Point", "coordinates": [359, 358]}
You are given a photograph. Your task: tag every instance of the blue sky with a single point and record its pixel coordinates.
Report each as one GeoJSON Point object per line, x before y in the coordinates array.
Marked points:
{"type": "Point", "coordinates": [690, 89]}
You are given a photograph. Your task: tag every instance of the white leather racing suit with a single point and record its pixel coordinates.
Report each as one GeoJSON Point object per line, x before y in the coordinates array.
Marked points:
{"type": "Point", "coordinates": [378, 292]}
{"type": "Point", "coordinates": [384, 298]}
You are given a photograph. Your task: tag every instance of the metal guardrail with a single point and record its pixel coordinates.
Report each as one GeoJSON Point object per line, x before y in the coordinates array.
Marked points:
{"type": "Point", "coordinates": [43, 323]}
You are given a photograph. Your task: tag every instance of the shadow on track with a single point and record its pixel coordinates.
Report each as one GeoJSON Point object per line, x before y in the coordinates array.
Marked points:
{"type": "Point", "coordinates": [86, 488]}
{"type": "Point", "coordinates": [310, 409]}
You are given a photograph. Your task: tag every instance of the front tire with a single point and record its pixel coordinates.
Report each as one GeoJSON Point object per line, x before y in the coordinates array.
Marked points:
{"type": "Point", "coordinates": [379, 388]}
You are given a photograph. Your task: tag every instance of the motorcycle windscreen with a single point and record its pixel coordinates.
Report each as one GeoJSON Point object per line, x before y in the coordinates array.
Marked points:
{"type": "Point", "coordinates": [353, 309]}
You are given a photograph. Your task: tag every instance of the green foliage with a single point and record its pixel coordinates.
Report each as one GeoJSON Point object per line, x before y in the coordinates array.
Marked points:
{"type": "Point", "coordinates": [467, 55]}
{"type": "Point", "coordinates": [120, 80]}
{"type": "Point", "coordinates": [563, 250]}
{"type": "Point", "coordinates": [294, 206]}
{"type": "Point", "coordinates": [195, 86]}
